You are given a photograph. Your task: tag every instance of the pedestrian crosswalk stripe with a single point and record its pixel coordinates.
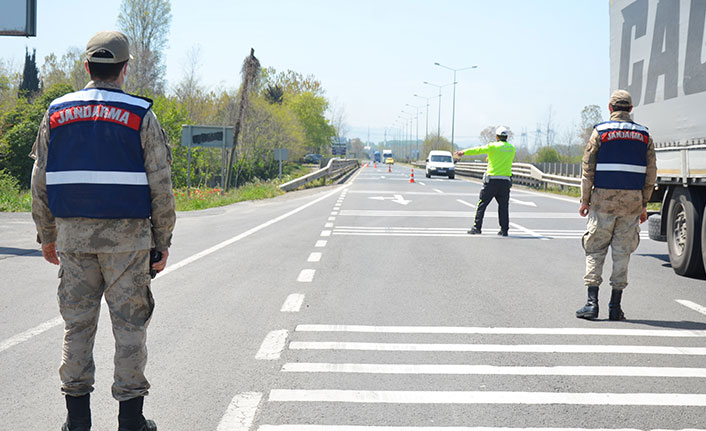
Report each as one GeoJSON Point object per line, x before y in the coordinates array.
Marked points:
{"type": "Point", "coordinates": [680, 333]}
{"type": "Point", "coordinates": [308, 427]}
{"type": "Point", "coordinates": [513, 348]}
{"type": "Point", "coordinates": [463, 369]}
{"type": "Point", "coordinates": [486, 397]}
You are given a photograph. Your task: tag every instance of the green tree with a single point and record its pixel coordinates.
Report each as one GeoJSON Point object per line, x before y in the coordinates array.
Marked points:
{"type": "Point", "coordinates": [310, 110]}
{"type": "Point", "coordinates": [68, 69]}
{"type": "Point", "coordinates": [29, 87]}
{"type": "Point", "coordinates": [434, 142]}
{"type": "Point", "coordinates": [146, 24]}
{"type": "Point", "coordinates": [21, 125]}
{"type": "Point", "coordinates": [547, 155]}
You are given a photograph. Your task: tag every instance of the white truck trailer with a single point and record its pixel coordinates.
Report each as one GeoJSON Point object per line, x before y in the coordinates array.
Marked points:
{"type": "Point", "coordinates": [658, 54]}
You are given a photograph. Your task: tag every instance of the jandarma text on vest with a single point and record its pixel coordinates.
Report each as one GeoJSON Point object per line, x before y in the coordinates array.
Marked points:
{"type": "Point", "coordinates": [95, 113]}
{"type": "Point", "coordinates": [624, 134]}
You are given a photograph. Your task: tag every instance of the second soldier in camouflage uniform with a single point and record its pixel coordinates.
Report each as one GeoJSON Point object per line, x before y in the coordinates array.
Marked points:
{"type": "Point", "coordinates": [619, 172]}
{"type": "Point", "coordinates": [102, 198]}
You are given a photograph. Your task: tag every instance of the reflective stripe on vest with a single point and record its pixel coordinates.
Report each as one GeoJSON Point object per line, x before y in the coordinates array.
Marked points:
{"type": "Point", "coordinates": [622, 157]}
{"type": "Point", "coordinates": [95, 164]}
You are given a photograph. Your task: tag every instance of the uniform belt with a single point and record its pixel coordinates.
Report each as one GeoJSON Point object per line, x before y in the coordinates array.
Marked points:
{"type": "Point", "coordinates": [498, 177]}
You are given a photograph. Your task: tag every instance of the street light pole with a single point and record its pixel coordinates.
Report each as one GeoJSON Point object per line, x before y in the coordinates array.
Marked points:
{"type": "Point", "coordinates": [438, 130]}
{"type": "Point", "coordinates": [416, 109]}
{"type": "Point", "coordinates": [426, 130]}
{"type": "Point", "coordinates": [453, 112]}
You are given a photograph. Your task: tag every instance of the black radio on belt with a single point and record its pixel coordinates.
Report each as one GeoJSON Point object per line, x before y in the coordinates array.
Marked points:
{"type": "Point", "coordinates": [155, 256]}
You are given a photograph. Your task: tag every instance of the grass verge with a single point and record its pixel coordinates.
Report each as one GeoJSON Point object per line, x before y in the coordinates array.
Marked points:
{"type": "Point", "coordinates": [12, 199]}
{"type": "Point", "coordinates": [201, 198]}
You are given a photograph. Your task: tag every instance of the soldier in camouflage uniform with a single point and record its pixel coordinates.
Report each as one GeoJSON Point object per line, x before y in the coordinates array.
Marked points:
{"type": "Point", "coordinates": [619, 173]}
{"type": "Point", "coordinates": [101, 199]}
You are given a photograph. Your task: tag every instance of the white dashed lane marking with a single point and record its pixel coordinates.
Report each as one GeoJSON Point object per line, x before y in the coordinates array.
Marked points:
{"type": "Point", "coordinates": [314, 257]}
{"type": "Point", "coordinates": [273, 345]}
{"type": "Point", "coordinates": [293, 303]}
{"type": "Point", "coordinates": [306, 275]}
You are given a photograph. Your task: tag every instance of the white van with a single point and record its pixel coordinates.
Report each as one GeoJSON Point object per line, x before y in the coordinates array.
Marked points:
{"type": "Point", "coordinates": [440, 163]}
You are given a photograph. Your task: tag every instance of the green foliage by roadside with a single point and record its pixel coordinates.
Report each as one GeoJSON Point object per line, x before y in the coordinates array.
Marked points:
{"type": "Point", "coordinates": [547, 155]}
{"type": "Point", "coordinates": [12, 199]}
{"type": "Point", "coordinates": [19, 131]}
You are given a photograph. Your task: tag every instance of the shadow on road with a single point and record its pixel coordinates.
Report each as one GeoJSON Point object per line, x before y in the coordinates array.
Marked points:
{"type": "Point", "coordinates": [672, 325]}
{"type": "Point", "coordinates": [6, 252]}
{"type": "Point", "coordinates": [662, 257]}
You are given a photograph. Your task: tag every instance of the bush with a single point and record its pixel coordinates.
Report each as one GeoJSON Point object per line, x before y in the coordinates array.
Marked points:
{"type": "Point", "coordinates": [12, 199]}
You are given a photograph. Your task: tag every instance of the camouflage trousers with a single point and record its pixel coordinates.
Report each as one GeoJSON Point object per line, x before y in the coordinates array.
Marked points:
{"type": "Point", "coordinates": [124, 280]}
{"type": "Point", "coordinates": [622, 234]}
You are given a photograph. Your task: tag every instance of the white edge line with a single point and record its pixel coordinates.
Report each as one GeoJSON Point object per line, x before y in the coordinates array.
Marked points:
{"type": "Point", "coordinates": [273, 345]}
{"type": "Point", "coordinates": [26, 335]}
{"type": "Point", "coordinates": [694, 306]}
{"type": "Point", "coordinates": [293, 303]}
{"type": "Point", "coordinates": [241, 411]}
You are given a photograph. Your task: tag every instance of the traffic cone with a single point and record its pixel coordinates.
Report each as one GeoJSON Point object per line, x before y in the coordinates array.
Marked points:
{"type": "Point", "coordinates": [376, 165]}
{"type": "Point", "coordinates": [411, 177]}
{"type": "Point", "coordinates": [389, 168]}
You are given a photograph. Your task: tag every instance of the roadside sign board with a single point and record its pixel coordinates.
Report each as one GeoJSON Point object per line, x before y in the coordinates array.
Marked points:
{"type": "Point", "coordinates": [281, 154]}
{"type": "Point", "coordinates": [18, 18]}
{"type": "Point", "coordinates": [338, 150]}
{"type": "Point", "coordinates": [206, 136]}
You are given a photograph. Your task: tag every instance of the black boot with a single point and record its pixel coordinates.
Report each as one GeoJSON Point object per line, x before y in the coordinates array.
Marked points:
{"type": "Point", "coordinates": [130, 416]}
{"type": "Point", "coordinates": [590, 310]}
{"type": "Point", "coordinates": [614, 310]}
{"type": "Point", "coordinates": [79, 413]}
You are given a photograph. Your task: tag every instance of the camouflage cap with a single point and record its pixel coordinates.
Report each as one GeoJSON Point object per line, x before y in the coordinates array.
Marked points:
{"type": "Point", "coordinates": [621, 97]}
{"type": "Point", "coordinates": [108, 47]}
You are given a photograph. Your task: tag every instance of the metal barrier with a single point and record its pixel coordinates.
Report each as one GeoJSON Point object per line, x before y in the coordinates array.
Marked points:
{"type": "Point", "coordinates": [335, 169]}
{"type": "Point", "coordinates": [522, 173]}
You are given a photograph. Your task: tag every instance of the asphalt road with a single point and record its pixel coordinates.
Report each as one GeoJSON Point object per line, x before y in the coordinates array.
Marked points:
{"type": "Point", "coordinates": [366, 306]}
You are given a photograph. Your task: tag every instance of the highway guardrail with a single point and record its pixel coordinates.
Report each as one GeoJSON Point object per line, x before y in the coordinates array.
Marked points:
{"type": "Point", "coordinates": [336, 168]}
{"type": "Point", "coordinates": [522, 173]}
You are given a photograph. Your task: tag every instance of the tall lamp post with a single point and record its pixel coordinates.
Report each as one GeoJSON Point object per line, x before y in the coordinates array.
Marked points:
{"type": "Point", "coordinates": [426, 130]}
{"type": "Point", "coordinates": [453, 113]}
{"type": "Point", "coordinates": [416, 109]}
{"type": "Point", "coordinates": [438, 129]}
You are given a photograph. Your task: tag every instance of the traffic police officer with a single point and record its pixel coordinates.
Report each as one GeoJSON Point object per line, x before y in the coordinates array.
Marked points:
{"type": "Point", "coordinates": [101, 199]}
{"type": "Point", "coordinates": [496, 181]}
{"type": "Point", "coordinates": [619, 172]}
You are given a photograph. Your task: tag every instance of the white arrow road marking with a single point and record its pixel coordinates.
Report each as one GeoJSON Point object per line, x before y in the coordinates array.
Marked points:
{"type": "Point", "coordinates": [400, 200]}
{"type": "Point", "coordinates": [397, 199]}
{"type": "Point", "coordinates": [519, 202]}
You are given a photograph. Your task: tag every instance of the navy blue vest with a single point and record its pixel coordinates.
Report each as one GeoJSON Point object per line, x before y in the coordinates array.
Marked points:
{"type": "Point", "coordinates": [95, 165]}
{"type": "Point", "coordinates": [622, 158]}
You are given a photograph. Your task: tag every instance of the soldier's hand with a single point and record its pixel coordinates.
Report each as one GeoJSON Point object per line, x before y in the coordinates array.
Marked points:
{"type": "Point", "coordinates": [583, 210]}
{"type": "Point", "coordinates": [162, 263]}
{"type": "Point", "coordinates": [643, 216]}
{"type": "Point", "coordinates": [49, 253]}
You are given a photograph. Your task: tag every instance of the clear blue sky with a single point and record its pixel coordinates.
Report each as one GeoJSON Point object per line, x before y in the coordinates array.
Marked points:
{"type": "Point", "coordinates": [373, 55]}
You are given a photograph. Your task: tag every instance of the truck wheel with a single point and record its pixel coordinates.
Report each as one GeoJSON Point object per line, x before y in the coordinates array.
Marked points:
{"type": "Point", "coordinates": [654, 228]}
{"type": "Point", "coordinates": [684, 221]}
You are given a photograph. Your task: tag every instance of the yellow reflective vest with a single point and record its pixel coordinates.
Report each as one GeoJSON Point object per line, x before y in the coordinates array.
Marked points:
{"type": "Point", "coordinates": [500, 157]}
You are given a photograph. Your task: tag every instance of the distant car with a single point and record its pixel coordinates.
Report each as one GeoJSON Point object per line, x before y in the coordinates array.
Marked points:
{"type": "Point", "coordinates": [389, 161]}
{"type": "Point", "coordinates": [440, 163]}
{"type": "Point", "coordinates": [312, 158]}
